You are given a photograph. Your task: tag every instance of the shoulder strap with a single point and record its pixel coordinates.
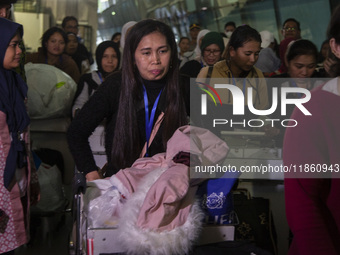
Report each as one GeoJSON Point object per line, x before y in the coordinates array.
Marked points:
{"type": "Point", "coordinates": [210, 71]}
{"type": "Point", "coordinates": [92, 85]}
{"type": "Point", "coordinates": [153, 133]}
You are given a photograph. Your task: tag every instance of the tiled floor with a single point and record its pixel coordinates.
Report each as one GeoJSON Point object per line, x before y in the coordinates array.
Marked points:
{"type": "Point", "coordinates": [49, 233]}
{"type": "Point", "coordinates": [50, 236]}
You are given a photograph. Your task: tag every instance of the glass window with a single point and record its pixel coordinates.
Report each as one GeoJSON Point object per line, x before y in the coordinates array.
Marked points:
{"type": "Point", "coordinates": [313, 15]}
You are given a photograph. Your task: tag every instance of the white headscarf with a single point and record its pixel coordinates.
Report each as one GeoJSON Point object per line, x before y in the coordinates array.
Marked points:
{"type": "Point", "coordinates": [124, 30]}
{"type": "Point", "coordinates": [199, 36]}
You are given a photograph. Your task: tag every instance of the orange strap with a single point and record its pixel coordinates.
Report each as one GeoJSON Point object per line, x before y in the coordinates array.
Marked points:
{"type": "Point", "coordinates": [153, 133]}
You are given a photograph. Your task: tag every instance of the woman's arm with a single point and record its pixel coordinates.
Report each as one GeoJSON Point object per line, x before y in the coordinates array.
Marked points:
{"type": "Point", "coordinates": [306, 196]}
{"type": "Point", "coordinates": [103, 104]}
{"type": "Point", "coordinates": [81, 99]}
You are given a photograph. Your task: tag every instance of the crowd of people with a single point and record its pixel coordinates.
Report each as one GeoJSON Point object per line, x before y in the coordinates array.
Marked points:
{"type": "Point", "coordinates": [141, 92]}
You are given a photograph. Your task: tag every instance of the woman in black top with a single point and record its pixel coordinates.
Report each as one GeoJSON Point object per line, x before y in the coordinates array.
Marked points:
{"type": "Point", "coordinates": [150, 78]}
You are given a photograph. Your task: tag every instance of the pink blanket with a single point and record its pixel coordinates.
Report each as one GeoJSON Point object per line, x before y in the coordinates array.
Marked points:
{"type": "Point", "coordinates": [161, 215]}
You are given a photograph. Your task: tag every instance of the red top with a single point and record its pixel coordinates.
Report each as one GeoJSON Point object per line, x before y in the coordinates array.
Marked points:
{"type": "Point", "coordinates": [313, 204]}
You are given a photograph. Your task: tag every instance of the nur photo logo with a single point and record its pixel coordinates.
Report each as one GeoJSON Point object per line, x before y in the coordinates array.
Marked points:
{"type": "Point", "coordinates": [242, 110]}
{"type": "Point", "coordinates": [204, 96]}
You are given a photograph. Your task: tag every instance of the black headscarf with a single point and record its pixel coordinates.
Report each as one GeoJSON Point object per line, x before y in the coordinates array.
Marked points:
{"type": "Point", "coordinates": [8, 1]}
{"type": "Point", "coordinates": [13, 91]}
{"type": "Point", "coordinates": [78, 56]}
{"type": "Point", "coordinates": [100, 52]}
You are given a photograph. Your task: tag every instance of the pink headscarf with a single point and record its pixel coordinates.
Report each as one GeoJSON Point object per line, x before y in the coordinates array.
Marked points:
{"type": "Point", "coordinates": [283, 49]}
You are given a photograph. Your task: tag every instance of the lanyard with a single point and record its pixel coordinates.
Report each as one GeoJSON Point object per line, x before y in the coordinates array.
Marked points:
{"type": "Point", "coordinates": [244, 84]}
{"type": "Point", "coordinates": [149, 121]}
{"type": "Point", "coordinates": [100, 77]}
{"type": "Point", "coordinates": [299, 95]}
{"type": "Point", "coordinates": [201, 62]}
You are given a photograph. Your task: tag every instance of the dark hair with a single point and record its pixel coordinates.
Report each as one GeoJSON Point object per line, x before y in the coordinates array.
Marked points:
{"type": "Point", "coordinates": [301, 47]}
{"type": "Point", "coordinates": [67, 19]}
{"type": "Point", "coordinates": [333, 31]}
{"type": "Point", "coordinates": [240, 36]}
{"type": "Point", "coordinates": [230, 23]}
{"type": "Point", "coordinates": [321, 58]}
{"type": "Point", "coordinates": [115, 34]}
{"type": "Point", "coordinates": [71, 33]}
{"type": "Point", "coordinates": [294, 20]}
{"type": "Point", "coordinates": [100, 52]}
{"type": "Point", "coordinates": [48, 33]}
{"type": "Point", "coordinates": [3, 2]}
{"type": "Point", "coordinates": [183, 38]}
{"type": "Point", "coordinates": [125, 150]}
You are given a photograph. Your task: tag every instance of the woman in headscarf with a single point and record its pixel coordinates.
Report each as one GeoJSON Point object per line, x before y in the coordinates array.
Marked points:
{"type": "Point", "coordinates": [190, 55]}
{"type": "Point", "coordinates": [283, 49]}
{"type": "Point", "coordinates": [301, 60]}
{"type": "Point", "coordinates": [16, 177]}
{"type": "Point", "coordinates": [212, 47]}
{"type": "Point", "coordinates": [125, 30]}
{"type": "Point", "coordinates": [108, 59]}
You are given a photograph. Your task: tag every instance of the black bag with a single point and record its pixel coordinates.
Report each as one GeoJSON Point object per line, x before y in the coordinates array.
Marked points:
{"type": "Point", "coordinates": [229, 248]}
{"type": "Point", "coordinates": [255, 221]}
{"type": "Point", "coordinates": [51, 157]}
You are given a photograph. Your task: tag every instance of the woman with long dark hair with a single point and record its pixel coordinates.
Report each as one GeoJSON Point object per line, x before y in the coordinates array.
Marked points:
{"type": "Point", "coordinates": [143, 104]}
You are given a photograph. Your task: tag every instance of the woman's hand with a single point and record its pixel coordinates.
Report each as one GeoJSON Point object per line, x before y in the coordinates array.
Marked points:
{"type": "Point", "coordinates": [327, 65]}
{"type": "Point", "coordinates": [91, 176]}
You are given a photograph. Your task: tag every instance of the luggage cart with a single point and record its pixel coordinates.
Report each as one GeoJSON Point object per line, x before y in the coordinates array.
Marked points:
{"type": "Point", "coordinates": [85, 239]}
{"type": "Point", "coordinates": [90, 240]}
{"type": "Point", "coordinates": [79, 188]}
{"type": "Point", "coordinates": [99, 240]}
{"type": "Point", "coordinates": [96, 241]}
{"type": "Point", "coordinates": [82, 242]}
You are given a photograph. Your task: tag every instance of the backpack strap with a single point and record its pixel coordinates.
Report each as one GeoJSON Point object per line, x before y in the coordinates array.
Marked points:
{"type": "Point", "coordinates": [210, 71]}
{"type": "Point", "coordinates": [92, 85]}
